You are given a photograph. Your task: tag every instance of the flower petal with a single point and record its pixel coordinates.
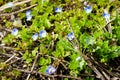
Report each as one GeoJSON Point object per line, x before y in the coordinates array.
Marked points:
{"type": "Point", "coordinates": [14, 32]}
{"type": "Point", "coordinates": [50, 70]}
{"type": "Point", "coordinates": [70, 36]}
{"type": "Point", "coordinates": [35, 36]}
{"type": "Point", "coordinates": [43, 33]}
{"type": "Point", "coordinates": [58, 9]}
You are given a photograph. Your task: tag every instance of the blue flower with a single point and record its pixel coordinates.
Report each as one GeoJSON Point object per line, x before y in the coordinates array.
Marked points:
{"type": "Point", "coordinates": [28, 15]}
{"type": "Point", "coordinates": [50, 70]}
{"type": "Point", "coordinates": [90, 40]}
{"type": "Point", "coordinates": [35, 36]}
{"type": "Point", "coordinates": [117, 50]}
{"type": "Point", "coordinates": [106, 15]}
{"type": "Point", "coordinates": [10, 4]}
{"type": "Point", "coordinates": [28, 12]}
{"type": "Point", "coordinates": [78, 58]}
{"type": "Point", "coordinates": [43, 33]}
{"type": "Point", "coordinates": [14, 32]}
{"type": "Point", "coordinates": [70, 36]}
{"type": "Point", "coordinates": [58, 9]}
{"type": "Point", "coordinates": [88, 9]}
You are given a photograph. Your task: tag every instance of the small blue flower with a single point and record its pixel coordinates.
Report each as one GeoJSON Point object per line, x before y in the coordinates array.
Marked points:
{"type": "Point", "coordinates": [35, 36]}
{"type": "Point", "coordinates": [43, 33]}
{"type": "Point", "coordinates": [28, 12]}
{"type": "Point", "coordinates": [78, 58]}
{"type": "Point", "coordinates": [106, 15]}
{"type": "Point", "coordinates": [29, 17]}
{"type": "Point", "coordinates": [14, 32]}
{"type": "Point", "coordinates": [117, 50]}
{"type": "Point", "coordinates": [70, 36]}
{"type": "Point", "coordinates": [10, 4]}
{"type": "Point", "coordinates": [90, 40]}
{"type": "Point", "coordinates": [88, 9]}
{"type": "Point", "coordinates": [50, 70]}
{"type": "Point", "coordinates": [58, 9]}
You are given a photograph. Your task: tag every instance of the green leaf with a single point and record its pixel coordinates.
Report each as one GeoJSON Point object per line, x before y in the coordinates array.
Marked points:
{"type": "Point", "coordinates": [118, 32]}
{"type": "Point", "coordinates": [105, 44]}
{"type": "Point", "coordinates": [35, 51]}
{"type": "Point", "coordinates": [28, 60]}
{"type": "Point", "coordinates": [66, 79]}
{"type": "Point", "coordinates": [82, 64]}
{"type": "Point", "coordinates": [56, 54]}
{"type": "Point", "coordinates": [43, 69]}
{"type": "Point", "coordinates": [1, 1]}
{"type": "Point", "coordinates": [16, 73]}
{"type": "Point", "coordinates": [47, 23]}
{"type": "Point", "coordinates": [117, 18]}
{"type": "Point", "coordinates": [98, 34]}
{"type": "Point", "coordinates": [44, 61]}
{"type": "Point", "coordinates": [8, 39]}
{"type": "Point", "coordinates": [73, 65]}
{"type": "Point", "coordinates": [25, 55]}
{"type": "Point", "coordinates": [2, 65]}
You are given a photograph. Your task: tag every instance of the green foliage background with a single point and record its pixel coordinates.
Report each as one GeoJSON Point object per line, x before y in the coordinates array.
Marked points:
{"type": "Point", "coordinates": [89, 30]}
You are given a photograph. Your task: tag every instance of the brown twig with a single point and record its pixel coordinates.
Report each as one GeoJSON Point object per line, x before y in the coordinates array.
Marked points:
{"type": "Point", "coordinates": [5, 47]}
{"type": "Point", "coordinates": [14, 61]}
{"type": "Point", "coordinates": [12, 13]}
{"type": "Point", "coordinates": [109, 25]}
{"type": "Point", "coordinates": [99, 65]}
{"type": "Point", "coordinates": [90, 64]}
{"type": "Point", "coordinates": [33, 65]}
{"type": "Point", "coordinates": [56, 58]}
{"type": "Point", "coordinates": [63, 65]}
{"type": "Point", "coordinates": [9, 55]}
{"type": "Point", "coordinates": [51, 76]}
{"type": "Point", "coordinates": [10, 58]}
{"type": "Point", "coordinates": [14, 4]}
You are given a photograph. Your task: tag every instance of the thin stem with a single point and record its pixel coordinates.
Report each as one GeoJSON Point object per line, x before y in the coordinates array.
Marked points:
{"type": "Point", "coordinates": [4, 47]}
{"type": "Point", "coordinates": [56, 58]}
{"type": "Point", "coordinates": [33, 66]}
{"type": "Point", "coordinates": [73, 32]}
{"type": "Point", "coordinates": [10, 58]}
{"type": "Point", "coordinates": [9, 55]}
{"type": "Point", "coordinates": [109, 25]}
{"type": "Point", "coordinates": [8, 14]}
{"type": "Point", "coordinates": [15, 4]}
{"type": "Point", "coordinates": [51, 76]}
